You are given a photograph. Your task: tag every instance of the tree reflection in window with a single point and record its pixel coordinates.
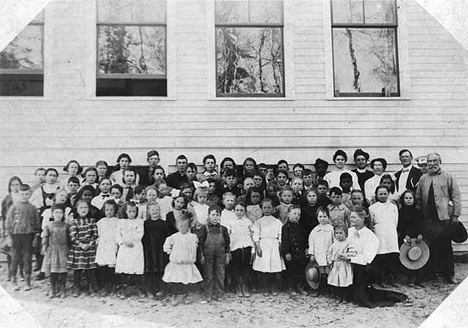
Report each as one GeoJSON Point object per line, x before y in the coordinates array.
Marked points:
{"type": "Point", "coordinates": [365, 56]}
{"type": "Point", "coordinates": [249, 48]}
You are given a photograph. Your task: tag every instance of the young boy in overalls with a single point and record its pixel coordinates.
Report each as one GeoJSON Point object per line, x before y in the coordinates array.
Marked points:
{"type": "Point", "coordinates": [214, 243]}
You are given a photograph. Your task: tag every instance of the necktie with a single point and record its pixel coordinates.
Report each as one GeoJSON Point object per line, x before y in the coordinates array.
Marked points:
{"type": "Point", "coordinates": [129, 193]}
{"type": "Point", "coordinates": [105, 196]}
{"type": "Point", "coordinates": [405, 170]}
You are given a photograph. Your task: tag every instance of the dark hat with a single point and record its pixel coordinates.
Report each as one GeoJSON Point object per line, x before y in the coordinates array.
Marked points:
{"type": "Point", "coordinates": [152, 153]}
{"type": "Point", "coordinates": [360, 152]}
{"type": "Point", "coordinates": [319, 161]}
{"type": "Point", "coordinates": [415, 255]}
{"type": "Point", "coordinates": [458, 232]}
{"type": "Point", "coordinates": [381, 160]}
{"type": "Point", "coordinates": [312, 275]}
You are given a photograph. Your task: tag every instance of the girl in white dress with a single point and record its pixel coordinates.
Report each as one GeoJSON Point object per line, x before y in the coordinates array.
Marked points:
{"type": "Point", "coordinates": [106, 253]}
{"type": "Point", "coordinates": [341, 274]}
{"type": "Point", "coordinates": [130, 258]}
{"type": "Point", "coordinates": [384, 222]}
{"type": "Point", "coordinates": [200, 197]}
{"type": "Point", "coordinates": [182, 250]}
{"type": "Point", "coordinates": [267, 239]}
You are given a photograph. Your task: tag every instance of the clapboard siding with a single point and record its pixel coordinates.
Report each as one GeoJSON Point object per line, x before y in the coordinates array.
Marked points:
{"type": "Point", "coordinates": [69, 122]}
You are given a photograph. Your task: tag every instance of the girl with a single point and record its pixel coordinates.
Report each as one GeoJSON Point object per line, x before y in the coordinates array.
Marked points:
{"type": "Point", "coordinates": [87, 194]}
{"type": "Point", "coordinates": [259, 181]}
{"type": "Point", "coordinates": [293, 249]}
{"type": "Point", "coordinates": [253, 199]}
{"type": "Point", "coordinates": [130, 258]}
{"type": "Point", "coordinates": [309, 212]}
{"type": "Point", "coordinates": [378, 165]}
{"type": "Point", "coordinates": [320, 239]}
{"type": "Point", "coordinates": [73, 168]}
{"type": "Point", "coordinates": [129, 181]}
{"type": "Point", "coordinates": [384, 222]}
{"type": "Point", "coordinates": [272, 191]}
{"type": "Point", "coordinates": [333, 178]}
{"type": "Point", "coordinates": [209, 162]}
{"type": "Point", "coordinates": [182, 250]}
{"type": "Point", "coordinates": [106, 253]}
{"type": "Point", "coordinates": [42, 198]}
{"type": "Point", "coordinates": [104, 186]}
{"type": "Point", "coordinates": [363, 246]}
{"type": "Point", "coordinates": [282, 178]}
{"type": "Point", "coordinates": [213, 198]}
{"type": "Point", "coordinates": [82, 254]}
{"type": "Point", "coordinates": [159, 174]}
{"type": "Point", "coordinates": [116, 192]}
{"type": "Point", "coordinates": [60, 198]}
{"type": "Point", "coordinates": [90, 178]}
{"type": "Point", "coordinates": [180, 205]}
{"type": "Point", "coordinates": [297, 185]}
{"type": "Point", "coordinates": [227, 164]}
{"type": "Point", "coordinates": [123, 163]}
{"type": "Point", "coordinates": [156, 231]}
{"type": "Point", "coordinates": [281, 211]}
{"type": "Point", "coordinates": [298, 169]}
{"type": "Point", "coordinates": [215, 245]}
{"type": "Point", "coordinates": [102, 169]}
{"type": "Point", "coordinates": [267, 239]}
{"type": "Point", "coordinates": [357, 199]}
{"type": "Point", "coordinates": [151, 195]}
{"type": "Point", "coordinates": [341, 274]}
{"type": "Point", "coordinates": [164, 201]}
{"type": "Point", "coordinates": [249, 167]}
{"type": "Point", "coordinates": [192, 171]}
{"type": "Point", "coordinates": [55, 240]}
{"type": "Point", "coordinates": [200, 198]}
{"type": "Point", "coordinates": [411, 224]}
{"type": "Point", "coordinates": [12, 197]}
{"type": "Point", "coordinates": [242, 249]}
{"type": "Point", "coordinates": [387, 181]}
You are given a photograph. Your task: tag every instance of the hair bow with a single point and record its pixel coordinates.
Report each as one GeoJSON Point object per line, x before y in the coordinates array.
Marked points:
{"type": "Point", "coordinates": [204, 184]}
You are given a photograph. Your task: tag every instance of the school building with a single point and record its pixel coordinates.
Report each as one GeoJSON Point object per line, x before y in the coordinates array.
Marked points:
{"type": "Point", "coordinates": [291, 79]}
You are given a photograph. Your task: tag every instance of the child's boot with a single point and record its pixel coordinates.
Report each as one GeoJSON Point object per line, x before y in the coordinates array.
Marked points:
{"type": "Point", "coordinates": [53, 289]}
{"type": "Point", "coordinates": [301, 290]}
{"type": "Point", "coordinates": [15, 284]}
{"type": "Point", "coordinates": [239, 291]}
{"type": "Point", "coordinates": [28, 283]}
{"type": "Point", "coordinates": [245, 290]}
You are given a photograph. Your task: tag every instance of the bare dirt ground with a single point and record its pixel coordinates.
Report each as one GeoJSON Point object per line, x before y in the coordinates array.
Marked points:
{"type": "Point", "coordinates": [257, 311]}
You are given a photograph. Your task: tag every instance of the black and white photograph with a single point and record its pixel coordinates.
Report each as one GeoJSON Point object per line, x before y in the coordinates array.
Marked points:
{"type": "Point", "coordinates": [234, 163]}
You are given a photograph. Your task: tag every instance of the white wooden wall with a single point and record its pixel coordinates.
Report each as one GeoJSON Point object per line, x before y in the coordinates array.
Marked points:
{"type": "Point", "coordinates": [70, 122]}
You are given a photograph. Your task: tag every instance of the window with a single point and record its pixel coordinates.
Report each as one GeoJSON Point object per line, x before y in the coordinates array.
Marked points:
{"type": "Point", "coordinates": [365, 48]}
{"type": "Point", "coordinates": [131, 51]}
{"type": "Point", "coordinates": [249, 48]}
{"type": "Point", "coordinates": [22, 62]}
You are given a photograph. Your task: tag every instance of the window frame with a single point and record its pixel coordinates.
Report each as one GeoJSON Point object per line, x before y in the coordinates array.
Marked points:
{"type": "Point", "coordinates": [395, 26]}
{"type": "Point", "coordinates": [281, 95]}
{"type": "Point", "coordinates": [125, 76]}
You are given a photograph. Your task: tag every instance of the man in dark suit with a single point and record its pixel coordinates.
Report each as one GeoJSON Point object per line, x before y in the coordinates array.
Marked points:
{"type": "Point", "coordinates": [175, 179]}
{"type": "Point", "coordinates": [408, 177]}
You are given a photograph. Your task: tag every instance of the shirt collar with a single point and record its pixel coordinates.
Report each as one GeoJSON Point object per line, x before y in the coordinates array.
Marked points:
{"type": "Point", "coordinates": [406, 169]}
{"type": "Point", "coordinates": [361, 171]}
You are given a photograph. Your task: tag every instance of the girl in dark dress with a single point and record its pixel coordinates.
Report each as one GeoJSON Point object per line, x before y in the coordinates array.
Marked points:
{"type": "Point", "coordinates": [156, 232]}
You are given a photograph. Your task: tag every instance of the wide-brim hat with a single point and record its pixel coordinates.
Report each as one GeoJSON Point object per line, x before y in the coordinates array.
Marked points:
{"type": "Point", "coordinates": [415, 255]}
{"type": "Point", "coordinates": [381, 160]}
{"type": "Point", "coordinates": [312, 275]}
{"type": "Point", "coordinates": [458, 232]}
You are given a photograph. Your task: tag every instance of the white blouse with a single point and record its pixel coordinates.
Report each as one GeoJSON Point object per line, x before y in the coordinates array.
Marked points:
{"type": "Point", "coordinates": [333, 179]}
{"type": "Point", "coordinates": [384, 219]}
{"type": "Point", "coordinates": [363, 245]}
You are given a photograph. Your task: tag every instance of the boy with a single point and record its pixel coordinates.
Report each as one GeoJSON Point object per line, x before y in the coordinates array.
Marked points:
{"type": "Point", "coordinates": [40, 178]}
{"type": "Point", "coordinates": [346, 182]}
{"type": "Point", "coordinates": [308, 179]}
{"type": "Point", "coordinates": [322, 190]}
{"type": "Point", "coordinates": [321, 167]}
{"type": "Point", "coordinates": [147, 177]}
{"type": "Point", "coordinates": [22, 225]}
{"type": "Point", "coordinates": [230, 183]}
{"type": "Point", "coordinates": [213, 198]}
{"type": "Point", "coordinates": [228, 215]}
{"type": "Point", "coordinates": [73, 186]}
{"type": "Point", "coordinates": [104, 185]}
{"type": "Point", "coordinates": [339, 213]}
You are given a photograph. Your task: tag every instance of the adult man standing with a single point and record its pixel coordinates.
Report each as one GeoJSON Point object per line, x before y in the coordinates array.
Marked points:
{"type": "Point", "coordinates": [408, 177]}
{"type": "Point", "coordinates": [361, 158]}
{"type": "Point", "coordinates": [175, 179]}
{"type": "Point", "coordinates": [439, 197]}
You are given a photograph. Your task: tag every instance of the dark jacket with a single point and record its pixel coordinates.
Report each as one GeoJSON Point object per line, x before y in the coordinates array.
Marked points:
{"type": "Point", "coordinates": [175, 179]}
{"type": "Point", "coordinates": [413, 179]}
{"type": "Point", "coordinates": [308, 218]}
{"type": "Point", "coordinates": [293, 240]}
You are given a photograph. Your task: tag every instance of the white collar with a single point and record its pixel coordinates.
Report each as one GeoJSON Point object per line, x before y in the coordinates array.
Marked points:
{"type": "Point", "coordinates": [406, 169]}
{"type": "Point", "coordinates": [361, 171]}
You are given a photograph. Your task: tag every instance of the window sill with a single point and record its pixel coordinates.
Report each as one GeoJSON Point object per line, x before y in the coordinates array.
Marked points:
{"type": "Point", "coordinates": [251, 99]}
{"type": "Point", "coordinates": [132, 98]}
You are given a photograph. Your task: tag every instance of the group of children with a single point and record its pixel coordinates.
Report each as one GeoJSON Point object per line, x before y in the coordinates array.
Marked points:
{"type": "Point", "coordinates": [252, 229]}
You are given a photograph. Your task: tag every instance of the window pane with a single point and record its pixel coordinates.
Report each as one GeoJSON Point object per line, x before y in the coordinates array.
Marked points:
{"type": "Point", "coordinates": [270, 12]}
{"type": "Point", "coordinates": [131, 49]}
{"type": "Point", "coordinates": [131, 87]}
{"type": "Point", "coordinates": [249, 61]}
{"type": "Point", "coordinates": [365, 60]}
{"type": "Point", "coordinates": [132, 11]}
{"type": "Point", "coordinates": [21, 84]}
{"type": "Point", "coordinates": [249, 12]}
{"type": "Point", "coordinates": [25, 51]}
{"type": "Point", "coordinates": [380, 11]}
{"type": "Point", "coordinates": [232, 12]}
{"type": "Point", "coordinates": [347, 11]}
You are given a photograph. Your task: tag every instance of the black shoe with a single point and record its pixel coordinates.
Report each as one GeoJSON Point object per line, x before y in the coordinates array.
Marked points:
{"type": "Point", "coordinates": [451, 280]}
{"type": "Point", "coordinates": [40, 276]}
